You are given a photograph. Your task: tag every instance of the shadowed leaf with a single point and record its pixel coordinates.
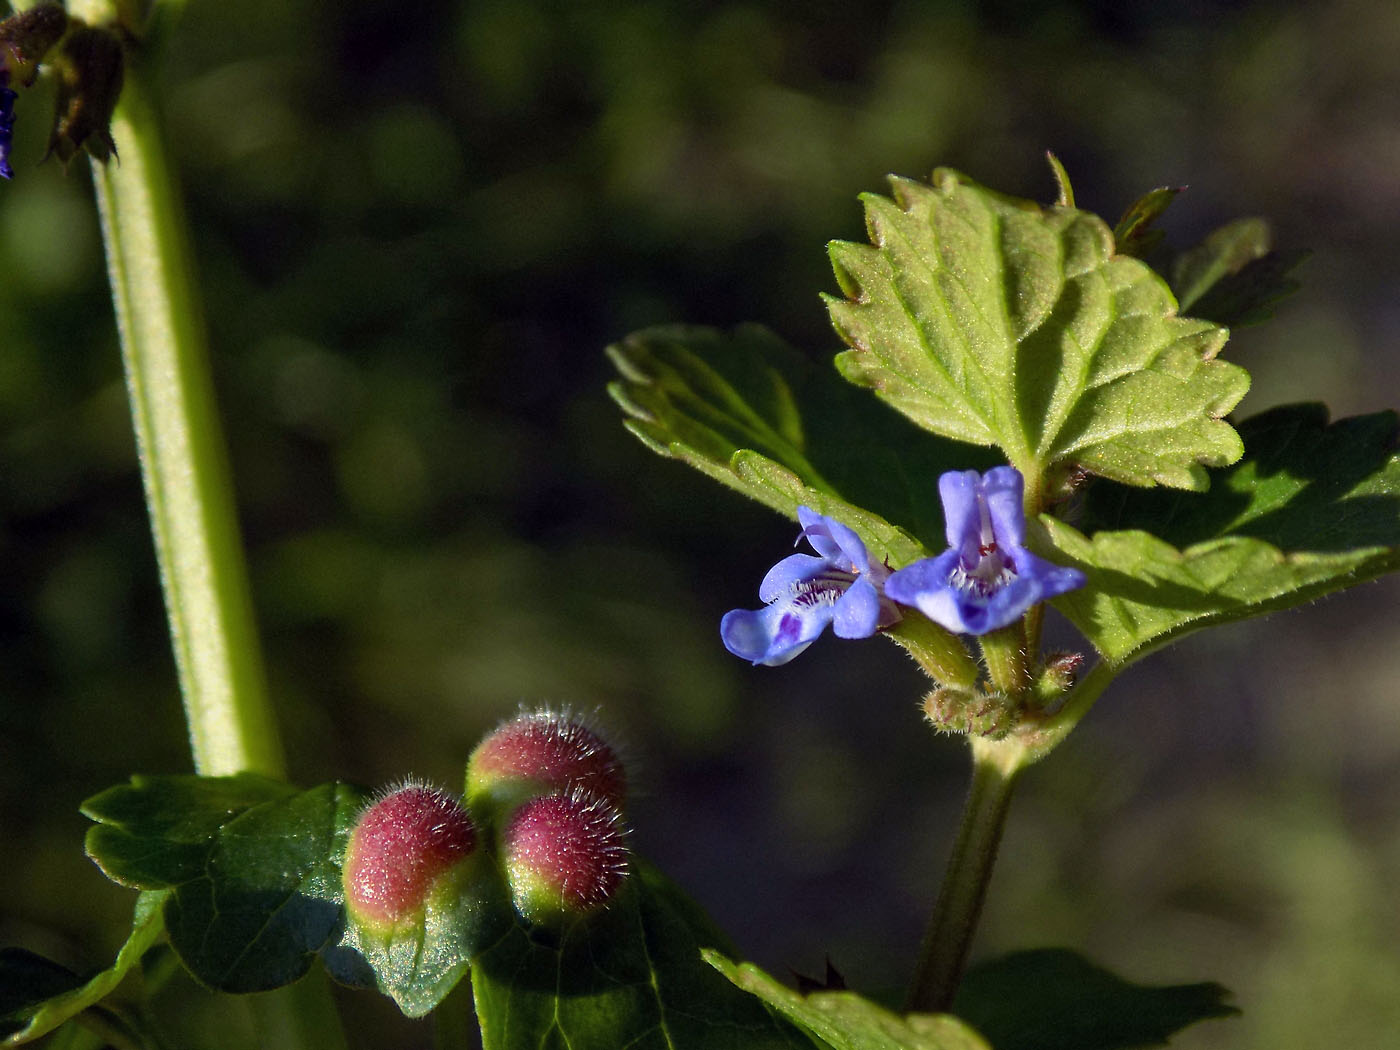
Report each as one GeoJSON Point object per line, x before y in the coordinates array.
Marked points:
{"type": "Point", "coordinates": [1234, 276]}
{"type": "Point", "coordinates": [1310, 509]}
{"type": "Point", "coordinates": [750, 411]}
{"type": "Point", "coordinates": [36, 995]}
{"type": "Point", "coordinates": [1054, 999]}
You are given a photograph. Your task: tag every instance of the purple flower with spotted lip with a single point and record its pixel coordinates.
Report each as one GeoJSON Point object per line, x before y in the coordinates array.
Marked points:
{"type": "Point", "coordinates": [986, 579]}
{"type": "Point", "coordinates": [837, 586]}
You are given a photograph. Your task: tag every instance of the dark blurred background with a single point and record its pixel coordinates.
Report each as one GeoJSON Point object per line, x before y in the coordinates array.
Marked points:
{"type": "Point", "coordinates": [419, 222]}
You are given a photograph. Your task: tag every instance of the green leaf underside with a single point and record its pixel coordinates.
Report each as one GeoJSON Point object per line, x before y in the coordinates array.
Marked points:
{"type": "Point", "coordinates": [252, 865]}
{"type": "Point", "coordinates": [1234, 276]}
{"type": "Point", "coordinates": [1054, 999]}
{"type": "Point", "coordinates": [750, 411]}
{"type": "Point", "coordinates": [994, 321]}
{"type": "Point", "coordinates": [40, 995]}
{"type": "Point", "coordinates": [418, 963]}
{"type": "Point", "coordinates": [630, 977]}
{"type": "Point", "coordinates": [1310, 509]}
{"type": "Point", "coordinates": [847, 1021]}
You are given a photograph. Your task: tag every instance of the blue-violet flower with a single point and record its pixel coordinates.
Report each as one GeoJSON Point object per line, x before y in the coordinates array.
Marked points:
{"type": "Point", "coordinates": [986, 579]}
{"type": "Point", "coordinates": [804, 593]}
{"type": "Point", "coordinates": [7, 123]}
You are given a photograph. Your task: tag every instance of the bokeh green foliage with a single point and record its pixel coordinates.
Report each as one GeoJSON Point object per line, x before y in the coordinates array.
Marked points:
{"type": "Point", "coordinates": [417, 225]}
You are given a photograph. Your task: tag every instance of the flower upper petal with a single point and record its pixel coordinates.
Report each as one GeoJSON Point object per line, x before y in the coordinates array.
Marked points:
{"type": "Point", "coordinates": [782, 579]}
{"type": "Point", "coordinates": [961, 522]}
{"type": "Point", "coordinates": [835, 542]}
{"type": "Point", "coordinates": [1004, 489]}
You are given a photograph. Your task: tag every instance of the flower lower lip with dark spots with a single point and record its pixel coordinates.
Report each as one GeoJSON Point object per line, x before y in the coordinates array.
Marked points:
{"type": "Point", "coordinates": [805, 593]}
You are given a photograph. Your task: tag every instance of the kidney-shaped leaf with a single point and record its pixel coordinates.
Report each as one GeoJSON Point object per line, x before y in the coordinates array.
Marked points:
{"type": "Point", "coordinates": [252, 865]}
{"type": "Point", "coordinates": [995, 321]}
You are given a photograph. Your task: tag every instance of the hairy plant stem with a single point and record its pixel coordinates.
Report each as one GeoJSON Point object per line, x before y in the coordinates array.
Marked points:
{"type": "Point", "coordinates": [189, 490]}
{"type": "Point", "coordinates": [299, 1016]}
{"type": "Point", "coordinates": [948, 938]}
{"type": "Point", "coordinates": [183, 458]}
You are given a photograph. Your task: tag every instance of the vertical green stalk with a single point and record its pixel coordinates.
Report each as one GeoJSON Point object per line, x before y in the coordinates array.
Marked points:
{"type": "Point", "coordinates": [183, 459]}
{"type": "Point", "coordinates": [943, 956]}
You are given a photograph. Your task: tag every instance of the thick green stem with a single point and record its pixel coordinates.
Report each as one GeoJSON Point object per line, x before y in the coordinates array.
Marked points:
{"type": "Point", "coordinates": [183, 459]}
{"type": "Point", "coordinates": [300, 1016]}
{"type": "Point", "coordinates": [995, 764]}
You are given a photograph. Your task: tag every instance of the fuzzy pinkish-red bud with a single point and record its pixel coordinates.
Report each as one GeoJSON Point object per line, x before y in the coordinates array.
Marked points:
{"type": "Point", "coordinates": [403, 844]}
{"type": "Point", "coordinates": [539, 752]}
{"type": "Point", "coordinates": [563, 854]}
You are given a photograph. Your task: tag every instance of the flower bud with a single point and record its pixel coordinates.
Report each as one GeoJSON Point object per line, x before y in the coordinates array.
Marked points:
{"type": "Point", "coordinates": [403, 850]}
{"type": "Point", "coordinates": [976, 713]}
{"type": "Point", "coordinates": [539, 752]}
{"type": "Point", "coordinates": [1057, 677]}
{"type": "Point", "coordinates": [563, 855]}
{"type": "Point", "coordinates": [90, 65]}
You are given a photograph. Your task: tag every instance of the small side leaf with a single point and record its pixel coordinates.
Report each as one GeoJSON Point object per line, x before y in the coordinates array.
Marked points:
{"type": "Point", "coordinates": [1310, 509]}
{"type": "Point", "coordinates": [991, 320]}
{"type": "Point", "coordinates": [253, 867]}
{"type": "Point", "coordinates": [1135, 235]}
{"type": "Point", "coordinates": [39, 995]}
{"type": "Point", "coordinates": [1234, 276]}
{"type": "Point", "coordinates": [750, 411]}
{"type": "Point", "coordinates": [1064, 195]}
{"type": "Point", "coordinates": [629, 976]}
{"type": "Point", "coordinates": [847, 1021]}
{"type": "Point", "coordinates": [1054, 999]}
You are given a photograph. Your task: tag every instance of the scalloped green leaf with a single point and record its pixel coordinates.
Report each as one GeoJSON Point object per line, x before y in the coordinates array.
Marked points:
{"type": "Point", "coordinates": [750, 411]}
{"type": "Point", "coordinates": [36, 995]}
{"type": "Point", "coordinates": [994, 321]}
{"type": "Point", "coordinates": [847, 1021]}
{"type": "Point", "coordinates": [1311, 508]}
{"type": "Point", "coordinates": [252, 866]}
{"type": "Point", "coordinates": [1055, 999]}
{"type": "Point", "coordinates": [629, 976]}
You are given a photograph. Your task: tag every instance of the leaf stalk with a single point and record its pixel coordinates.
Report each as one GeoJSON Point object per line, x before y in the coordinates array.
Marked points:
{"type": "Point", "coordinates": [948, 938]}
